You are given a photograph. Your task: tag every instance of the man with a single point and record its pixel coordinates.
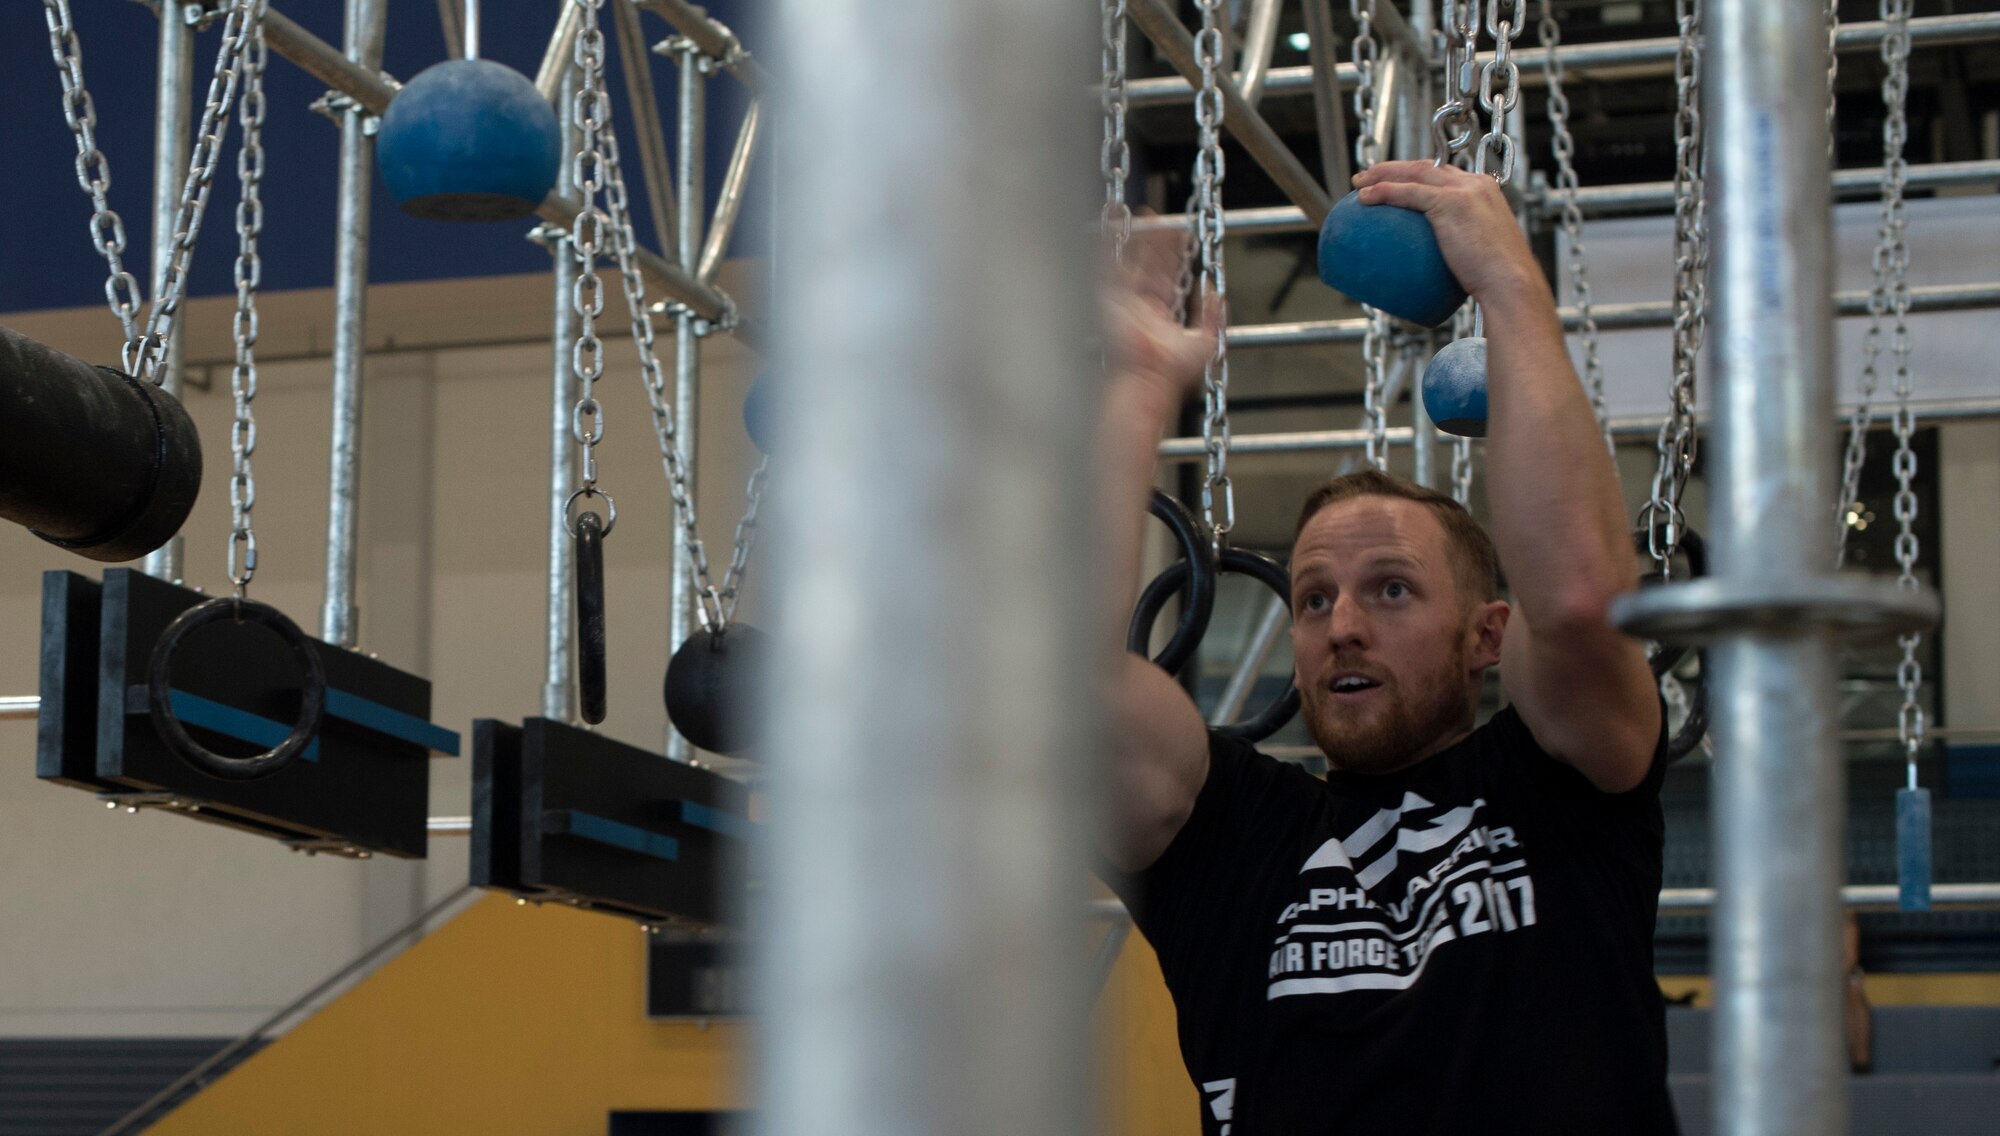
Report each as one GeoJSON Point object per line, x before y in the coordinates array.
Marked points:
{"type": "Point", "coordinates": [1453, 932]}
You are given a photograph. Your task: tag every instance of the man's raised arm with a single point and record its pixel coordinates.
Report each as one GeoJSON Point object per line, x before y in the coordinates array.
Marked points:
{"type": "Point", "coordinates": [1159, 747]}
{"type": "Point", "coordinates": [1582, 687]}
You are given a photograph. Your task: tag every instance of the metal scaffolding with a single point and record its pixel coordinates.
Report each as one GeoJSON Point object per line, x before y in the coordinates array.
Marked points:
{"type": "Point", "coordinates": [924, 963]}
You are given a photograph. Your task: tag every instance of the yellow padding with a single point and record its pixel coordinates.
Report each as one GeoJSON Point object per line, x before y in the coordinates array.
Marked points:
{"type": "Point", "coordinates": [507, 1019]}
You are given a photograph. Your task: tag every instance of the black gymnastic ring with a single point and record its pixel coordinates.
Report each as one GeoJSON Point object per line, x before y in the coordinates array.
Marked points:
{"type": "Point", "coordinates": [1666, 658]}
{"type": "Point", "coordinates": [159, 690]}
{"type": "Point", "coordinates": [590, 616]}
{"type": "Point", "coordinates": [1272, 575]}
{"type": "Point", "coordinates": [1197, 550]}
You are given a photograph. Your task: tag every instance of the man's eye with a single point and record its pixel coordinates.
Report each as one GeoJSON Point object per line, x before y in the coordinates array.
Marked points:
{"type": "Point", "coordinates": [1396, 590]}
{"type": "Point", "coordinates": [1317, 601]}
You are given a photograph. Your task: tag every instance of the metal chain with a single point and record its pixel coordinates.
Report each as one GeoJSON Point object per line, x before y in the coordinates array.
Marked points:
{"type": "Point", "coordinates": [1500, 90]}
{"type": "Point", "coordinates": [93, 171]}
{"type": "Point", "coordinates": [1455, 126]}
{"type": "Point", "coordinates": [1374, 386]}
{"type": "Point", "coordinates": [1464, 323]}
{"type": "Point", "coordinates": [1895, 250]}
{"type": "Point", "coordinates": [145, 350]}
{"type": "Point", "coordinates": [1564, 147]}
{"type": "Point", "coordinates": [1890, 294]}
{"type": "Point", "coordinates": [591, 114]}
{"type": "Point", "coordinates": [715, 606]}
{"type": "Point", "coordinates": [1115, 156]}
{"type": "Point", "coordinates": [1375, 341]}
{"type": "Point", "coordinates": [1662, 516]}
{"type": "Point", "coordinates": [1217, 495]}
{"type": "Point", "coordinates": [242, 558]}
{"type": "Point", "coordinates": [1365, 55]}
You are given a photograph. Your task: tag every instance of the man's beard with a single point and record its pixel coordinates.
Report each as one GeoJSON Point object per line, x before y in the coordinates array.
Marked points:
{"type": "Point", "coordinates": [1383, 739]}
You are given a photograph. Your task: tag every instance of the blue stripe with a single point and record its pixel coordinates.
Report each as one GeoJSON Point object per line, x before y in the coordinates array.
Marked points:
{"type": "Point", "coordinates": [715, 820]}
{"type": "Point", "coordinates": [194, 710]}
{"type": "Point", "coordinates": [396, 724]}
{"type": "Point", "coordinates": [603, 830]}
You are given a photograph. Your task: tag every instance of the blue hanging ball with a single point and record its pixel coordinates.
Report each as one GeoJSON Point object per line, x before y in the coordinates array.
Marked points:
{"type": "Point", "coordinates": [757, 414]}
{"type": "Point", "coordinates": [1387, 257]}
{"type": "Point", "coordinates": [1455, 388]}
{"type": "Point", "coordinates": [469, 140]}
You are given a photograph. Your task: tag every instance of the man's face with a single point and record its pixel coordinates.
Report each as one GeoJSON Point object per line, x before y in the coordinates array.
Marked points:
{"type": "Point", "coordinates": [1388, 657]}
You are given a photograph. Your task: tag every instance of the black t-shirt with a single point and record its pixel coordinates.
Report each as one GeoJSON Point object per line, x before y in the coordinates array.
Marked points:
{"type": "Point", "coordinates": [1462, 946]}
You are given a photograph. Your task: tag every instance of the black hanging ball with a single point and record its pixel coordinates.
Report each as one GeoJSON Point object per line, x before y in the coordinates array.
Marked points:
{"type": "Point", "coordinates": [711, 687]}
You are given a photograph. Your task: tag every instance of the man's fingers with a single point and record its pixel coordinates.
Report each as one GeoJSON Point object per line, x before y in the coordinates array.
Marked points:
{"type": "Point", "coordinates": [1407, 171]}
{"type": "Point", "coordinates": [1407, 194]}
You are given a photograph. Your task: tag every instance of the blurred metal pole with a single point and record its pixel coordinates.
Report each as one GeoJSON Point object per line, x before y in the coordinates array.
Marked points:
{"type": "Point", "coordinates": [363, 42]}
{"type": "Point", "coordinates": [1413, 140]}
{"type": "Point", "coordinates": [172, 126]}
{"type": "Point", "coordinates": [637, 62]}
{"type": "Point", "coordinates": [1329, 109]}
{"type": "Point", "coordinates": [1260, 36]}
{"type": "Point", "coordinates": [1779, 801]}
{"type": "Point", "coordinates": [729, 201]}
{"type": "Point", "coordinates": [923, 965]}
{"type": "Point", "coordinates": [559, 54]}
{"type": "Point", "coordinates": [691, 139]}
{"type": "Point", "coordinates": [1277, 617]}
{"type": "Point", "coordinates": [559, 659]}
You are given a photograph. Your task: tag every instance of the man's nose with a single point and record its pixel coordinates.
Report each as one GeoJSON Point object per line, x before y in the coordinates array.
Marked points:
{"type": "Point", "coordinates": [1347, 626]}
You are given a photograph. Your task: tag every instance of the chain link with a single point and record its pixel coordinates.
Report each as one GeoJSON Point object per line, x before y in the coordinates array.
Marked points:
{"type": "Point", "coordinates": [1217, 495]}
{"type": "Point", "coordinates": [591, 114]}
{"type": "Point", "coordinates": [1366, 53]}
{"type": "Point", "coordinates": [93, 171]}
{"type": "Point", "coordinates": [1374, 386]}
{"type": "Point", "coordinates": [1500, 89]}
{"type": "Point", "coordinates": [1892, 261]}
{"type": "Point", "coordinates": [145, 349]}
{"type": "Point", "coordinates": [715, 606]}
{"type": "Point", "coordinates": [1662, 516]}
{"type": "Point", "coordinates": [1464, 324]}
{"type": "Point", "coordinates": [1455, 126]}
{"type": "Point", "coordinates": [1890, 294]}
{"type": "Point", "coordinates": [1115, 156]}
{"type": "Point", "coordinates": [242, 558]}
{"type": "Point", "coordinates": [1563, 144]}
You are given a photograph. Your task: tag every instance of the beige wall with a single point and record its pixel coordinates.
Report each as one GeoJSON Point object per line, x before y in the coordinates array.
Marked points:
{"type": "Point", "coordinates": [150, 924]}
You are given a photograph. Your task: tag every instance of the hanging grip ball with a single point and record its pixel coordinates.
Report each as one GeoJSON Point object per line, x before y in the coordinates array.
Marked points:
{"type": "Point", "coordinates": [1387, 257]}
{"type": "Point", "coordinates": [469, 140]}
{"type": "Point", "coordinates": [1455, 387]}
{"type": "Point", "coordinates": [711, 687]}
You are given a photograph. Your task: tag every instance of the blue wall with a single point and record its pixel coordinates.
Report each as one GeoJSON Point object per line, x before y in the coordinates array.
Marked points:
{"type": "Point", "coordinates": [46, 258]}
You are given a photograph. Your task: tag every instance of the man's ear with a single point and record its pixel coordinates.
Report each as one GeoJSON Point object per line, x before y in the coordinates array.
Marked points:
{"type": "Point", "coordinates": [1485, 631]}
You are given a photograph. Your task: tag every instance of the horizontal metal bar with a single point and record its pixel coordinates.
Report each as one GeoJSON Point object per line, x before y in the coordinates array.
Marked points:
{"type": "Point", "coordinates": [373, 92]}
{"type": "Point", "coordinates": [1680, 901]}
{"type": "Point", "coordinates": [13, 708]}
{"type": "Point", "coordinates": [1636, 58]}
{"type": "Point", "coordinates": [1658, 196]}
{"type": "Point", "coordinates": [1322, 441]}
{"type": "Point", "coordinates": [1636, 197]}
{"type": "Point", "coordinates": [712, 38]}
{"type": "Point", "coordinates": [1301, 442]}
{"type": "Point", "coordinates": [1612, 317]}
{"type": "Point", "coordinates": [1163, 26]}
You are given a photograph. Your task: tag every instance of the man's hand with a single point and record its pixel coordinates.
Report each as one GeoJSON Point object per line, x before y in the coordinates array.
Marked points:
{"type": "Point", "coordinates": [1146, 344]}
{"type": "Point", "coordinates": [1475, 228]}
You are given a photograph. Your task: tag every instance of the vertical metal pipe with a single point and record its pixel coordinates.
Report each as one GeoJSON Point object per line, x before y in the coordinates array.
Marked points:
{"type": "Point", "coordinates": [1329, 103]}
{"type": "Point", "coordinates": [690, 139]}
{"type": "Point", "coordinates": [921, 915]}
{"type": "Point", "coordinates": [1413, 138]}
{"type": "Point", "coordinates": [1243, 679]}
{"type": "Point", "coordinates": [559, 658]}
{"type": "Point", "coordinates": [364, 32]}
{"type": "Point", "coordinates": [1260, 36]}
{"type": "Point", "coordinates": [637, 63]}
{"type": "Point", "coordinates": [729, 200]}
{"type": "Point", "coordinates": [1778, 806]}
{"type": "Point", "coordinates": [173, 109]}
